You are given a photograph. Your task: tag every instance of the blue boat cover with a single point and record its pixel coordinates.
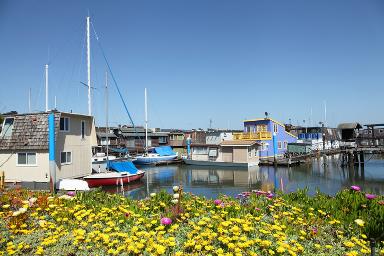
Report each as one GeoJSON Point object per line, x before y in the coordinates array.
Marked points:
{"type": "Point", "coordinates": [164, 151]}
{"type": "Point", "coordinates": [119, 150]}
{"type": "Point", "coordinates": [122, 166]}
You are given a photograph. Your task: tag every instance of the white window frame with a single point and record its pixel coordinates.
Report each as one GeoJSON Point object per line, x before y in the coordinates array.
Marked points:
{"type": "Point", "coordinates": [81, 129]}
{"type": "Point", "coordinates": [285, 144]}
{"type": "Point", "coordinates": [249, 152]}
{"type": "Point", "coordinates": [281, 145]}
{"type": "Point", "coordinates": [3, 130]}
{"type": "Point", "coordinates": [275, 128]}
{"type": "Point", "coordinates": [66, 163]}
{"type": "Point", "coordinates": [69, 124]}
{"type": "Point", "coordinates": [26, 157]}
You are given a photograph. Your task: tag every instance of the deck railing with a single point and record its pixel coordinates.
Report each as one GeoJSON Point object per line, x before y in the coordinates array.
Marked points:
{"type": "Point", "coordinates": [252, 136]}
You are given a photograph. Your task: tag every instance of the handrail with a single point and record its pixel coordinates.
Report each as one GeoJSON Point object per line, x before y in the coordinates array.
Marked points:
{"type": "Point", "coordinates": [262, 135]}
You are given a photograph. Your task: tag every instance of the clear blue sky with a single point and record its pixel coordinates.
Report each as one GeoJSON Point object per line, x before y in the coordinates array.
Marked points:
{"type": "Point", "coordinates": [225, 60]}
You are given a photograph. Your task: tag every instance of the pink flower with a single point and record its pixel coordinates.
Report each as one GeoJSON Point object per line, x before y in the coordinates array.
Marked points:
{"type": "Point", "coordinates": [355, 188]}
{"type": "Point", "coordinates": [270, 195]}
{"type": "Point", "coordinates": [370, 196]}
{"type": "Point", "coordinates": [166, 221]}
{"type": "Point", "coordinates": [257, 209]}
{"type": "Point", "coordinates": [314, 231]}
{"type": "Point", "coordinates": [217, 202]}
{"type": "Point", "coordinates": [71, 193]}
{"type": "Point", "coordinates": [381, 202]}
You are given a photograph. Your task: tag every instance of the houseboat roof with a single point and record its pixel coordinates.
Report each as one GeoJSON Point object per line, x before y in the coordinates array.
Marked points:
{"type": "Point", "coordinates": [349, 126]}
{"type": "Point", "coordinates": [30, 131]}
{"type": "Point", "coordinates": [105, 135]}
{"type": "Point", "coordinates": [264, 119]}
{"type": "Point", "coordinates": [238, 143]}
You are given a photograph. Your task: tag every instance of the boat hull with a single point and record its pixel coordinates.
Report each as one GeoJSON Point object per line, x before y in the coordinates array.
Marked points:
{"type": "Point", "coordinates": [142, 160]}
{"type": "Point", "coordinates": [118, 179]}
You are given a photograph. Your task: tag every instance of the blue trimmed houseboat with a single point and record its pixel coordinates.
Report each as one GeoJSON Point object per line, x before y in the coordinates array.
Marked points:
{"type": "Point", "coordinates": [271, 135]}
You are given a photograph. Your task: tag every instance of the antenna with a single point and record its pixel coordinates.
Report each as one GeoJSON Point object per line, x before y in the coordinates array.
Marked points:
{"type": "Point", "coordinates": [29, 100]}
{"type": "Point", "coordinates": [55, 103]}
{"type": "Point", "coordinates": [46, 88]}
{"type": "Point", "coordinates": [146, 120]}
{"type": "Point", "coordinates": [210, 123]}
{"type": "Point", "coordinates": [325, 112]}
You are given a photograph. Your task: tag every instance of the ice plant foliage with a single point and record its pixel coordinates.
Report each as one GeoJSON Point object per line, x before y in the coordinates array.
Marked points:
{"type": "Point", "coordinates": [252, 223]}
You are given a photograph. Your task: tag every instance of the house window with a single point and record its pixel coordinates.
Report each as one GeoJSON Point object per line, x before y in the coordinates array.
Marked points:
{"type": "Point", "coordinates": [285, 144]}
{"type": "Point", "coordinates": [66, 157]}
{"type": "Point", "coordinates": [26, 158]}
{"type": "Point", "coordinates": [249, 152]}
{"type": "Point", "coordinates": [7, 127]}
{"type": "Point", "coordinates": [264, 146]}
{"type": "Point", "coordinates": [261, 128]}
{"type": "Point", "coordinates": [279, 145]}
{"type": "Point", "coordinates": [82, 129]}
{"type": "Point", "coordinates": [162, 139]}
{"type": "Point", "coordinates": [64, 124]}
{"type": "Point", "coordinates": [255, 151]}
{"type": "Point", "coordinates": [275, 128]}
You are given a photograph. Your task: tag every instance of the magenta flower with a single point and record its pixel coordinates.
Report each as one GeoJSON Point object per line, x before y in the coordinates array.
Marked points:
{"type": "Point", "coordinates": [270, 195]}
{"type": "Point", "coordinates": [217, 201]}
{"type": "Point", "coordinates": [166, 221]}
{"type": "Point", "coordinates": [370, 196]}
{"type": "Point", "coordinates": [314, 231]}
{"type": "Point", "coordinates": [257, 209]}
{"type": "Point", "coordinates": [355, 188]}
{"type": "Point", "coordinates": [71, 193]}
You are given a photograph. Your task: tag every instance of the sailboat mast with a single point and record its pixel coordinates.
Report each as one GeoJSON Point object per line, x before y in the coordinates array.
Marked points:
{"type": "Point", "coordinates": [46, 88]}
{"type": "Point", "coordinates": [146, 120]}
{"type": "Point", "coordinates": [89, 67]}
{"type": "Point", "coordinates": [106, 112]}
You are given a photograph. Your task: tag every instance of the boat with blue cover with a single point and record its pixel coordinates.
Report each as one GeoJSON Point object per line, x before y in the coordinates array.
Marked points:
{"type": "Point", "coordinates": [159, 155]}
{"type": "Point", "coordinates": [121, 172]}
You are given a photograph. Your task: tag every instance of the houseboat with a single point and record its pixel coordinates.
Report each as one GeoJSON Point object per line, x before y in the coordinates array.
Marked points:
{"type": "Point", "coordinates": [269, 133]}
{"type": "Point", "coordinates": [24, 146]}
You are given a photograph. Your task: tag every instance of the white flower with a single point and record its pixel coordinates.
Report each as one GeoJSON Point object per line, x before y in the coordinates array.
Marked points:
{"type": "Point", "coordinates": [23, 210]}
{"type": "Point", "coordinates": [175, 188]}
{"type": "Point", "coordinates": [152, 194]}
{"type": "Point", "coordinates": [16, 213]}
{"type": "Point", "coordinates": [175, 201]}
{"type": "Point", "coordinates": [176, 196]}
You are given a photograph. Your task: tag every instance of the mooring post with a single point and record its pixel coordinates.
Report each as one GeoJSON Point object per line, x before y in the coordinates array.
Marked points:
{"type": "Point", "coordinates": [355, 158]}
{"type": "Point", "coordinates": [274, 140]}
{"type": "Point", "coordinates": [2, 180]}
{"type": "Point", "coordinates": [362, 158]}
{"type": "Point", "coordinates": [373, 245]}
{"type": "Point", "coordinates": [52, 161]}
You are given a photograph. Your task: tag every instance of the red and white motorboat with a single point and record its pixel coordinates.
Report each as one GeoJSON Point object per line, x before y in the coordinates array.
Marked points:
{"type": "Point", "coordinates": [112, 178]}
{"type": "Point", "coordinates": [123, 172]}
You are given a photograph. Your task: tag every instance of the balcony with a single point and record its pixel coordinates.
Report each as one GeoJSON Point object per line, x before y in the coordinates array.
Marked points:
{"type": "Point", "coordinates": [252, 136]}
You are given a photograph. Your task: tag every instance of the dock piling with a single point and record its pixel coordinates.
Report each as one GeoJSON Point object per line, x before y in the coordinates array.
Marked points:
{"type": "Point", "coordinates": [2, 180]}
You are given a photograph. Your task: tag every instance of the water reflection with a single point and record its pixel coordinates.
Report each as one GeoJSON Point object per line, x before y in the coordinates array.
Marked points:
{"type": "Point", "coordinates": [323, 173]}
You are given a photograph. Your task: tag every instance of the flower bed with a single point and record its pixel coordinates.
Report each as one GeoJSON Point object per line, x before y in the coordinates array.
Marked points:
{"type": "Point", "coordinates": [257, 223]}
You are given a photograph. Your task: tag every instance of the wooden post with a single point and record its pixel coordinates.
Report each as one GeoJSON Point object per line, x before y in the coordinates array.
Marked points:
{"type": "Point", "coordinates": [362, 158]}
{"type": "Point", "coordinates": [2, 180]}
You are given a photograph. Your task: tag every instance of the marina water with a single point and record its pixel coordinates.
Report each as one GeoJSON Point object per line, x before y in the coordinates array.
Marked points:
{"type": "Point", "coordinates": [325, 175]}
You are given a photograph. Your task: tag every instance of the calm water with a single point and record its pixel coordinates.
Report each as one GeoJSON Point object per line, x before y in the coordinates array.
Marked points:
{"type": "Point", "coordinates": [212, 181]}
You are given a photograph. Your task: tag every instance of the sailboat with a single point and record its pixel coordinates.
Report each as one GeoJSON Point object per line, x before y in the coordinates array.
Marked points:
{"type": "Point", "coordinates": [119, 171]}
{"type": "Point", "coordinates": [159, 154]}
